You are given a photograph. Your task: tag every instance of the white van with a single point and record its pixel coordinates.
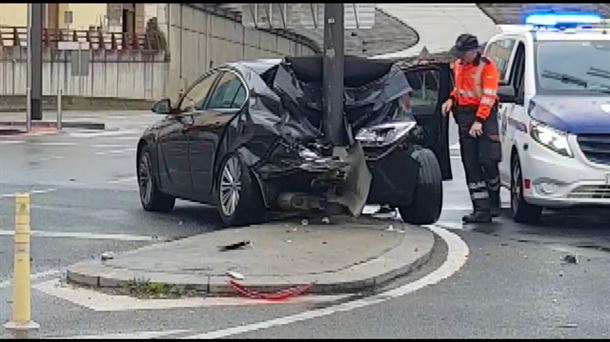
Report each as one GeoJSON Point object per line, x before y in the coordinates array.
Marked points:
{"type": "Point", "coordinates": [554, 113]}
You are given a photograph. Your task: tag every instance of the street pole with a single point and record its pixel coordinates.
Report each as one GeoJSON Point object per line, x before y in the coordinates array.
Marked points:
{"type": "Point", "coordinates": [35, 60]}
{"type": "Point", "coordinates": [333, 71]}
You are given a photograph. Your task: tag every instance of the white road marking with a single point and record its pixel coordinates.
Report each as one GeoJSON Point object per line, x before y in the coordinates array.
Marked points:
{"type": "Point", "coordinates": [31, 192]}
{"type": "Point", "coordinates": [456, 258]}
{"type": "Point", "coordinates": [34, 276]}
{"type": "Point", "coordinates": [125, 150]}
{"type": "Point", "coordinates": [11, 142]}
{"type": "Point", "coordinates": [51, 158]}
{"type": "Point", "coordinates": [110, 146]}
{"type": "Point", "coordinates": [123, 180]}
{"type": "Point", "coordinates": [100, 134]}
{"type": "Point", "coordinates": [138, 335]}
{"type": "Point", "coordinates": [98, 301]}
{"type": "Point", "coordinates": [55, 144]}
{"type": "Point", "coordinates": [455, 146]}
{"type": "Point", "coordinates": [128, 138]}
{"type": "Point", "coordinates": [88, 236]}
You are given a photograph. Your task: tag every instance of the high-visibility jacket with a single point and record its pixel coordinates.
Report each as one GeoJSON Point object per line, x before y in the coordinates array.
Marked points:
{"type": "Point", "coordinates": [476, 85]}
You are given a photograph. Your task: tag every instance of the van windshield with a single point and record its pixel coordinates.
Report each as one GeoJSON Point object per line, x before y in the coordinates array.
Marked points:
{"type": "Point", "coordinates": [573, 67]}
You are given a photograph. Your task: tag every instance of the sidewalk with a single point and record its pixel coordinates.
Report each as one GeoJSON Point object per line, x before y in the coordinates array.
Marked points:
{"type": "Point", "coordinates": [347, 256]}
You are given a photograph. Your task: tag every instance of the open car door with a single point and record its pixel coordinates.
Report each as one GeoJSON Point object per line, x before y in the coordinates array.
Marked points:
{"type": "Point", "coordinates": [431, 85]}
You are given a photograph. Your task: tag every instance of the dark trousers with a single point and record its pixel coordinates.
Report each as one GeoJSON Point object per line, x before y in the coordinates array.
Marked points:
{"type": "Point", "coordinates": [480, 157]}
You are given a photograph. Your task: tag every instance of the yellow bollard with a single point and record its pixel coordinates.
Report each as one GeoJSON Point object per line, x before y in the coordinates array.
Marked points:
{"type": "Point", "coordinates": [22, 305]}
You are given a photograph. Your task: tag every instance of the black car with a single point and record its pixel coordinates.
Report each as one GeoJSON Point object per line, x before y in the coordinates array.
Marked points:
{"type": "Point", "coordinates": [248, 138]}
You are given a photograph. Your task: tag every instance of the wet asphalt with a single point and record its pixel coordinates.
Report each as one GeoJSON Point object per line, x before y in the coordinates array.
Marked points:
{"type": "Point", "coordinates": [515, 283]}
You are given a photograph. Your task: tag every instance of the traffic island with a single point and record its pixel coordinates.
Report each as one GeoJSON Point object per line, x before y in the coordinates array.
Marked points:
{"type": "Point", "coordinates": [346, 256]}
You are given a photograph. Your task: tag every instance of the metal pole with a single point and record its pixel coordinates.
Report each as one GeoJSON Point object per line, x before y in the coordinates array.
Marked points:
{"type": "Point", "coordinates": [35, 49]}
{"type": "Point", "coordinates": [333, 71]}
{"type": "Point", "coordinates": [28, 109]}
{"type": "Point", "coordinates": [59, 111]}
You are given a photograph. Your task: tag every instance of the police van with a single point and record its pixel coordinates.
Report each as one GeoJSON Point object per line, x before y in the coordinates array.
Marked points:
{"type": "Point", "coordinates": [554, 112]}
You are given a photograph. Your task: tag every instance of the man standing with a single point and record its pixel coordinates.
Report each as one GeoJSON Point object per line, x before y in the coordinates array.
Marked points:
{"type": "Point", "coordinates": [473, 102]}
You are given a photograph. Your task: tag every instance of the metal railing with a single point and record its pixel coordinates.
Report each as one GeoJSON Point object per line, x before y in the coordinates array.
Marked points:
{"type": "Point", "coordinates": [98, 40]}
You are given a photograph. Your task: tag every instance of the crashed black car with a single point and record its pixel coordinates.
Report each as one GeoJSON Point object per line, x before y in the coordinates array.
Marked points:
{"type": "Point", "coordinates": [248, 138]}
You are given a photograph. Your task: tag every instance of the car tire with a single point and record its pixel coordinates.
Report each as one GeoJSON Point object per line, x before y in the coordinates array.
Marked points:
{"type": "Point", "coordinates": [522, 211]}
{"type": "Point", "coordinates": [151, 197]}
{"type": "Point", "coordinates": [247, 207]}
{"type": "Point", "coordinates": [427, 203]}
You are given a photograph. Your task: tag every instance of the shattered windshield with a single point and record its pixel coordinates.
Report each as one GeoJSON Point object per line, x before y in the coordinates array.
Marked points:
{"type": "Point", "coordinates": [573, 67]}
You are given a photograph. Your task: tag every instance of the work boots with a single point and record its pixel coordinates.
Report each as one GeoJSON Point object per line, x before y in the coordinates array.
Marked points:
{"type": "Point", "coordinates": [494, 203]}
{"type": "Point", "coordinates": [477, 217]}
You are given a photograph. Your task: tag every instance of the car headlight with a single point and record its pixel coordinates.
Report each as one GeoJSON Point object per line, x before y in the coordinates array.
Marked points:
{"type": "Point", "coordinates": [384, 134]}
{"type": "Point", "coordinates": [551, 138]}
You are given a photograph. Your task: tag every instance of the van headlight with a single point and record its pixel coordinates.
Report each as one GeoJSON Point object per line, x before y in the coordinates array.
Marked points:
{"type": "Point", "coordinates": [384, 134]}
{"type": "Point", "coordinates": [551, 138]}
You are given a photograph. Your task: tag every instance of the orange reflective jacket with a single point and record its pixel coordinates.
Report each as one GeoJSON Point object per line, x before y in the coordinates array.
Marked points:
{"type": "Point", "coordinates": [476, 85]}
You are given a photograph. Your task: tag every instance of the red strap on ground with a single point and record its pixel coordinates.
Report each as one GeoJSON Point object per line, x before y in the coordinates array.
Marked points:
{"type": "Point", "coordinates": [279, 295]}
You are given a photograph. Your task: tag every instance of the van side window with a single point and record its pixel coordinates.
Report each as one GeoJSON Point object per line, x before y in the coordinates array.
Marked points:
{"type": "Point", "coordinates": [500, 52]}
{"type": "Point", "coordinates": [518, 71]}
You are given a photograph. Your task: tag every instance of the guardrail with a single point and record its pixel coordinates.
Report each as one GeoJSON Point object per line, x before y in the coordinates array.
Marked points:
{"type": "Point", "coordinates": [98, 40]}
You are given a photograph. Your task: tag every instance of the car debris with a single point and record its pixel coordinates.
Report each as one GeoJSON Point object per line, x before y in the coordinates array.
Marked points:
{"type": "Point", "coordinates": [107, 256]}
{"type": "Point", "coordinates": [570, 259]}
{"type": "Point", "coordinates": [235, 275]}
{"type": "Point", "coordinates": [234, 246]}
{"type": "Point", "coordinates": [326, 220]}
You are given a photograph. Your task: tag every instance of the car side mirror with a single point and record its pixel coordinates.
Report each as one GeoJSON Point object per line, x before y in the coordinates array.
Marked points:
{"type": "Point", "coordinates": [162, 106]}
{"type": "Point", "coordinates": [506, 93]}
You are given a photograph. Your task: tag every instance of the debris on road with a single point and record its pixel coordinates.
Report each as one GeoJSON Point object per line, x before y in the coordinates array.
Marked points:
{"type": "Point", "coordinates": [288, 241]}
{"type": "Point", "coordinates": [107, 256]}
{"type": "Point", "coordinates": [235, 246]}
{"type": "Point", "coordinates": [279, 295]}
{"type": "Point", "coordinates": [570, 259]}
{"type": "Point", "coordinates": [568, 325]}
{"type": "Point", "coordinates": [235, 275]}
{"type": "Point", "coordinates": [180, 223]}
{"type": "Point", "coordinates": [390, 228]}
{"type": "Point", "coordinates": [325, 220]}
{"type": "Point", "coordinates": [304, 222]}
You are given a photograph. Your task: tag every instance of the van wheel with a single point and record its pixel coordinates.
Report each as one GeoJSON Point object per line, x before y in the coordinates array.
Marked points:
{"type": "Point", "coordinates": [237, 194]}
{"type": "Point", "coordinates": [523, 212]}
{"type": "Point", "coordinates": [151, 197]}
{"type": "Point", "coordinates": [427, 203]}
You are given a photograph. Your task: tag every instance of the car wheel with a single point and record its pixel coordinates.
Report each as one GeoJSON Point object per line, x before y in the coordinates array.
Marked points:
{"type": "Point", "coordinates": [523, 212]}
{"type": "Point", "coordinates": [238, 195]}
{"type": "Point", "coordinates": [151, 197]}
{"type": "Point", "coordinates": [427, 203]}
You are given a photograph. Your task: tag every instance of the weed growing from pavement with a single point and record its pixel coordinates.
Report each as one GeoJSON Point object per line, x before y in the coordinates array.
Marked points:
{"type": "Point", "coordinates": [144, 288]}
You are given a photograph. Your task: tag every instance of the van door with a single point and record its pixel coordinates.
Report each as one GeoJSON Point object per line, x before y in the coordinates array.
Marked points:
{"type": "Point", "coordinates": [431, 85]}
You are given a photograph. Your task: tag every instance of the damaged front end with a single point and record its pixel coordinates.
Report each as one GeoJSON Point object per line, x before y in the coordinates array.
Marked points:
{"type": "Point", "coordinates": [279, 135]}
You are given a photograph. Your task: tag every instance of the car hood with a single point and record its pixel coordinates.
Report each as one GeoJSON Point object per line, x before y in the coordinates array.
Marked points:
{"type": "Point", "coordinates": [573, 114]}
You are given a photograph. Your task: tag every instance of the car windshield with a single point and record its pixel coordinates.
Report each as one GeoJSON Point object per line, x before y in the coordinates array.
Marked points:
{"type": "Point", "coordinates": [573, 67]}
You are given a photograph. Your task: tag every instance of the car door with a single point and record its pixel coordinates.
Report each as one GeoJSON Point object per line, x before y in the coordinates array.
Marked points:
{"type": "Point", "coordinates": [225, 100]}
{"type": "Point", "coordinates": [431, 85]}
{"type": "Point", "coordinates": [510, 60]}
{"type": "Point", "coordinates": [174, 139]}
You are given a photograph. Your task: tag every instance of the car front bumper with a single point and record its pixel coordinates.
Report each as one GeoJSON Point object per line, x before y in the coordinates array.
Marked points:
{"type": "Point", "coordinates": [557, 181]}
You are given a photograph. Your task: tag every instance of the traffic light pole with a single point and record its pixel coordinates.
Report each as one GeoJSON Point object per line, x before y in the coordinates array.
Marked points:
{"type": "Point", "coordinates": [333, 73]}
{"type": "Point", "coordinates": [34, 69]}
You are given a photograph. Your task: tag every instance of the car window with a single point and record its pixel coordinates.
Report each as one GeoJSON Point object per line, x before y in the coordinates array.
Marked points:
{"type": "Point", "coordinates": [500, 52]}
{"type": "Point", "coordinates": [196, 96]}
{"type": "Point", "coordinates": [228, 94]}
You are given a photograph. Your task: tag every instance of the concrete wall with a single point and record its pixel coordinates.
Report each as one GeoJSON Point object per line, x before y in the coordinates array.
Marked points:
{"type": "Point", "coordinates": [196, 39]}
{"type": "Point", "coordinates": [114, 74]}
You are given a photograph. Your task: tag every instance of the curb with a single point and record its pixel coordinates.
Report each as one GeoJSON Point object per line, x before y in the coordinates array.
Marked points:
{"type": "Point", "coordinates": [102, 276]}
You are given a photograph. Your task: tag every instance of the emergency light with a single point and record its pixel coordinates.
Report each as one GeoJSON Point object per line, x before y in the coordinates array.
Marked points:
{"type": "Point", "coordinates": [563, 20]}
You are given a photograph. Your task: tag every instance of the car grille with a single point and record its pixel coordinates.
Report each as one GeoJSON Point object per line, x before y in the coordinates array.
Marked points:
{"type": "Point", "coordinates": [596, 147]}
{"type": "Point", "coordinates": [591, 192]}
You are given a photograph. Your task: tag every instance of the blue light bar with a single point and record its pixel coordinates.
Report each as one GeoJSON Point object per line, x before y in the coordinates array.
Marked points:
{"type": "Point", "coordinates": [562, 19]}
